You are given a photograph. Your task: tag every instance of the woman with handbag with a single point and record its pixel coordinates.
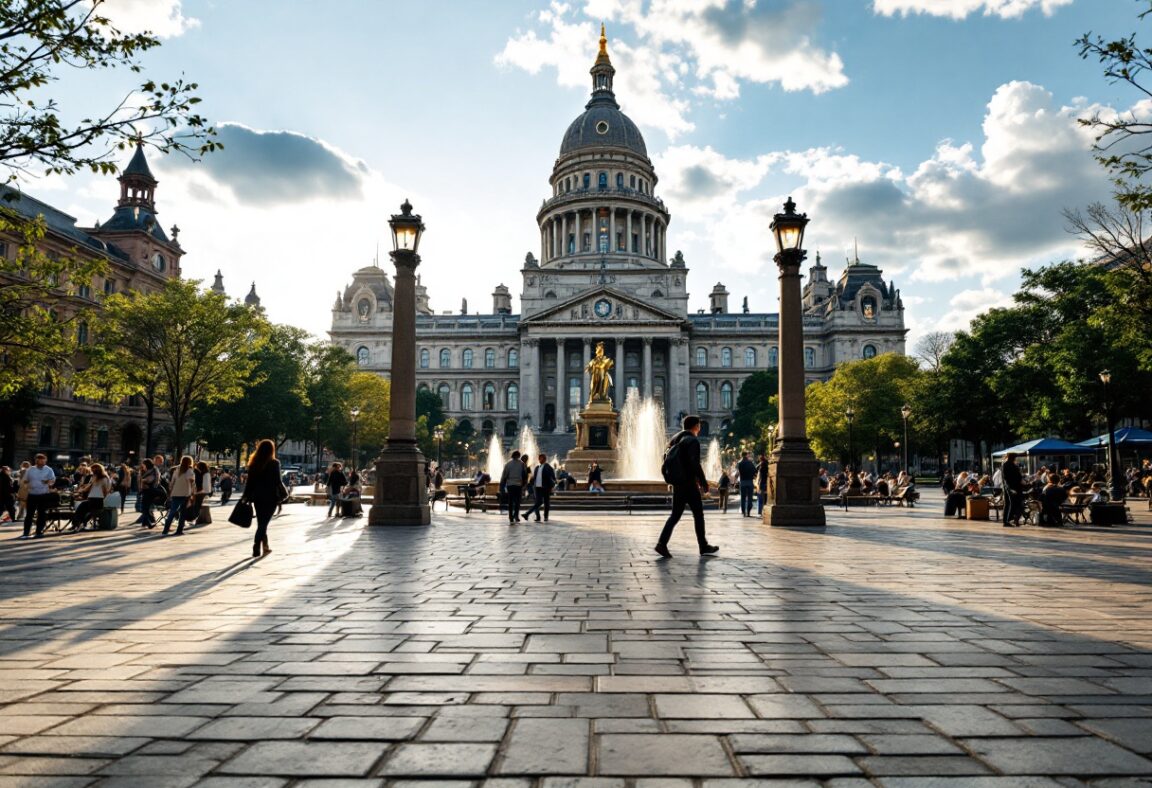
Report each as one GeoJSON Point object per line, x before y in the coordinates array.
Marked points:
{"type": "Point", "coordinates": [264, 490]}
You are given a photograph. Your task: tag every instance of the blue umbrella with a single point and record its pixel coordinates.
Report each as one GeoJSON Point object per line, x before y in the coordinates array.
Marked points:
{"type": "Point", "coordinates": [1126, 437]}
{"type": "Point", "coordinates": [1046, 447]}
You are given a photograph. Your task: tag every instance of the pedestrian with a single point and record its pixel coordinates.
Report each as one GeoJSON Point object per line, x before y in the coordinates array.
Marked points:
{"type": "Point", "coordinates": [225, 487]}
{"type": "Point", "coordinates": [761, 483]}
{"type": "Point", "coordinates": [149, 493]}
{"type": "Point", "coordinates": [7, 494]}
{"type": "Point", "coordinates": [512, 481]}
{"type": "Point", "coordinates": [264, 490]}
{"type": "Point", "coordinates": [201, 491]}
{"type": "Point", "coordinates": [335, 482]}
{"type": "Point", "coordinates": [22, 490]}
{"type": "Point", "coordinates": [722, 488]}
{"type": "Point", "coordinates": [94, 492]}
{"type": "Point", "coordinates": [543, 480]}
{"type": "Point", "coordinates": [39, 478]}
{"type": "Point", "coordinates": [746, 471]}
{"type": "Point", "coordinates": [183, 487]}
{"type": "Point", "coordinates": [124, 483]}
{"type": "Point", "coordinates": [682, 470]}
{"type": "Point", "coordinates": [1013, 481]}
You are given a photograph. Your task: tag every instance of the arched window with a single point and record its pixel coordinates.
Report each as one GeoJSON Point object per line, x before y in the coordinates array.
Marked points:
{"type": "Point", "coordinates": [587, 180]}
{"type": "Point", "coordinates": [466, 358]}
{"type": "Point", "coordinates": [869, 351]}
{"type": "Point", "coordinates": [809, 357]}
{"type": "Point", "coordinates": [362, 356]}
{"type": "Point", "coordinates": [425, 358]}
{"type": "Point", "coordinates": [701, 396]}
{"type": "Point", "coordinates": [510, 429]}
{"type": "Point", "coordinates": [619, 180]}
{"type": "Point", "coordinates": [657, 294]}
{"type": "Point", "coordinates": [512, 397]}
{"type": "Point", "coordinates": [487, 428]}
{"type": "Point", "coordinates": [76, 434]}
{"type": "Point", "coordinates": [466, 402]}
{"type": "Point", "coordinates": [513, 358]}
{"type": "Point", "coordinates": [632, 181]}
{"type": "Point", "coordinates": [82, 334]}
{"type": "Point", "coordinates": [701, 357]}
{"type": "Point", "coordinates": [705, 429]}
{"type": "Point", "coordinates": [773, 357]}
{"type": "Point", "coordinates": [602, 181]}
{"type": "Point", "coordinates": [726, 357]}
{"type": "Point", "coordinates": [445, 392]}
{"type": "Point", "coordinates": [489, 359]}
{"type": "Point", "coordinates": [749, 357]}
{"type": "Point", "coordinates": [726, 395]}
{"type": "Point", "coordinates": [445, 358]}
{"type": "Point", "coordinates": [489, 396]}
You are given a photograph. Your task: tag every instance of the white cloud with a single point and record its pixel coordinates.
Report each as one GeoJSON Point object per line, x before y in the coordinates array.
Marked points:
{"type": "Point", "coordinates": [967, 304]}
{"type": "Point", "coordinates": [959, 9]}
{"type": "Point", "coordinates": [683, 52]}
{"type": "Point", "coordinates": [162, 18]}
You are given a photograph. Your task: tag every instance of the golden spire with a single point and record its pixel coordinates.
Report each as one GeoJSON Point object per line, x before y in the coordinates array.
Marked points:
{"type": "Point", "coordinates": [603, 41]}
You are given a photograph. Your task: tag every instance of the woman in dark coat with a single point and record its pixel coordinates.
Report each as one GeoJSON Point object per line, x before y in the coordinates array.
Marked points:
{"type": "Point", "coordinates": [265, 490]}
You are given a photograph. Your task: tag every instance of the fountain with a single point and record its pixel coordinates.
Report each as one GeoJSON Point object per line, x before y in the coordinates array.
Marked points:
{"type": "Point", "coordinates": [495, 466]}
{"type": "Point", "coordinates": [713, 464]}
{"type": "Point", "coordinates": [528, 445]}
{"type": "Point", "coordinates": [640, 449]}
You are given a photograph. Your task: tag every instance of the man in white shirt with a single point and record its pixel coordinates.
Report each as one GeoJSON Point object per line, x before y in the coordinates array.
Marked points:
{"type": "Point", "coordinates": [543, 480]}
{"type": "Point", "coordinates": [39, 479]}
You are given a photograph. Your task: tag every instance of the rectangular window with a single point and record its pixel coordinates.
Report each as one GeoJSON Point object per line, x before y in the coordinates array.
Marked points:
{"type": "Point", "coordinates": [84, 291]}
{"type": "Point", "coordinates": [109, 286]}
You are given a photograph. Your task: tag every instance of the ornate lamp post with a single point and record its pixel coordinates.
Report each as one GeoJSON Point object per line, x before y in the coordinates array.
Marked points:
{"type": "Point", "coordinates": [355, 414]}
{"type": "Point", "coordinates": [401, 492]}
{"type": "Point", "coordinates": [316, 424]}
{"type": "Point", "coordinates": [1115, 479]}
{"type": "Point", "coordinates": [438, 434]}
{"type": "Point", "coordinates": [793, 467]}
{"type": "Point", "coordinates": [905, 412]}
{"type": "Point", "coordinates": [850, 414]}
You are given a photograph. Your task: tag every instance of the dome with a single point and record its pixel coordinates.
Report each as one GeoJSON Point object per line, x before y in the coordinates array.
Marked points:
{"type": "Point", "coordinates": [603, 124]}
{"type": "Point", "coordinates": [372, 278]}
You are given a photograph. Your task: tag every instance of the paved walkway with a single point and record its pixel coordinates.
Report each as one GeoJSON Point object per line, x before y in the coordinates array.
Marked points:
{"type": "Point", "coordinates": [890, 648]}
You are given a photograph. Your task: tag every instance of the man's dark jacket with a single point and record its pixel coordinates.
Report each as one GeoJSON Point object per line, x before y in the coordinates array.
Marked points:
{"type": "Point", "coordinates": [548, 479]}
{"type": "Point", "coordinates": [747, 470]}
{"type": "Point", "coordinates": [689, 456]}
{"type": "Point", "coordinates": [1011, 476]}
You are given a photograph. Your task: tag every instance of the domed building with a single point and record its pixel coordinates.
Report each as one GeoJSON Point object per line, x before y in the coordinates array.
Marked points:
{"type": "Point", "coordinates": [604, 274]}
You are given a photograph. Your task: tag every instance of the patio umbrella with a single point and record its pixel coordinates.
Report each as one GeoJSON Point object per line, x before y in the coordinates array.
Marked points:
{"type": "Point", "coordinates": [1126, 438]}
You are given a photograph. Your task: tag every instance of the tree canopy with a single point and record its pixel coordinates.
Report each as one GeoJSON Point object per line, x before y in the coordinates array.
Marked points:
{"type": "Point", "coordinates": [756, 405]}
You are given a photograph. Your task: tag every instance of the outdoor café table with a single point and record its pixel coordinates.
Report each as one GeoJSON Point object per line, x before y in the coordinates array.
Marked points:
{"type": "Point", "coordinates": [1074, 508]}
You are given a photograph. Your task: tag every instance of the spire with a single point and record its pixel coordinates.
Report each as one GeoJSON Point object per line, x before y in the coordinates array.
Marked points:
{"type": "Point", "coordinates": [252, 299]}
{"type": "Point", "coordinates": [602, 73]}
{"type": "Point", "coordinates": [855, 251]}
{"type": "Point", "coordinates": [218, 285]}
{"type": "Point", "coordinates": [137, 184]}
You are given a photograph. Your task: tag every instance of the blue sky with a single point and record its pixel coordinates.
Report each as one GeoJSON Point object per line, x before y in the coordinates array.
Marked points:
{"type": "Point", "coordinates": [939, 134]}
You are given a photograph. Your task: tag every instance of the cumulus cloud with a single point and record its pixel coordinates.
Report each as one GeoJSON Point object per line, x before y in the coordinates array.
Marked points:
{"type": "Point", "coordinates": [959, 9]}
{"type": "Point", "coordinates": [162, 18]}
{"type": "Point", "coordinates": [683, 52]}
{"type": "Point", "coordinates": [274, 167]}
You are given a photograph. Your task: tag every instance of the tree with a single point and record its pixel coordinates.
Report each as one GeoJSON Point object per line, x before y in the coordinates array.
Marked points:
{"type": "Point", "coordinates": [756, 405]}
{"type": "Point", "coordinates": [875, 389]}
{"type": "Point", "coordinates": [41, 38]}
{"type": "Point", "coordinates": [932, 347]}
{"type": "Point", "coordinates": [328, 374]}
{"type": "Point", "coordinates": [372, 394]}
{"type": "Point", "coordinates": [39, 311]}
{"type": "Point", "coordinates": [180, 348]}
{"type": "Point", "coordinates": [429, 405]}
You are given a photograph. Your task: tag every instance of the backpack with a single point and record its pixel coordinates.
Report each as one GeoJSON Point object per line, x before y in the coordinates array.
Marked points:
{"type": "Point", "coordinates": [672, 469]}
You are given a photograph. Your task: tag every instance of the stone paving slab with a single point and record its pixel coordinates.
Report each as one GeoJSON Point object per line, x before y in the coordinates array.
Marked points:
{"type": "Point", "coordinates": [893, 648]}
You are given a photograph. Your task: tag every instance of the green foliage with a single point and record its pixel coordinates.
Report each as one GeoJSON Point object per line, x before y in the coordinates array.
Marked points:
{"type": "Point", "coordinates": [756, 406]}
{"type": "Point", "coordinates": [875, 389]}
{"type": "Point", "coordinates": [429, 406]}
{"type": "Point", "coordinates": [41, 38]}
{"type": "Point", "coordinates": [39, 310]}
{"type": "Point", "coordinates": [372, 394]}
{"type": "Point", "coordinates": [186, 348]}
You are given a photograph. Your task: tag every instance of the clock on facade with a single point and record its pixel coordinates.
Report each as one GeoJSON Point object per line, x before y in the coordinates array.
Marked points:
{"type": "Point", "coordinates": [603, 308]}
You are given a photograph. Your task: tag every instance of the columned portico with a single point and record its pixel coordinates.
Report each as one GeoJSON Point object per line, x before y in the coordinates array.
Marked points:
{"type": "Point", "coordinates": [620, 379]}
{"type": "Point", "coordinates": [561, 388]}
{"type": "Point", "coordinates": [646, 372]}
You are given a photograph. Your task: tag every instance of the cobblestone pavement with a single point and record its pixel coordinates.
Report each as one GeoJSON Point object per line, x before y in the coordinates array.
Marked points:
{"type": "Point", "coordinates": [893, 648]}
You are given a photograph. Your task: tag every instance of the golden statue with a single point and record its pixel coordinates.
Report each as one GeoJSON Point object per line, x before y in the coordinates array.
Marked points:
{"type": "Point", "coordinates": [600, 379]}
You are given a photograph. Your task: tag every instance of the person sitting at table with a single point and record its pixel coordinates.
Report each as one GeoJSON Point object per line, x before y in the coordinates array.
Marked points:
{"type": "Point", "coordinates": [1051, 498]}
{"type": "Point", "coordinates": [882, 488]}
{"type": "Point", "coordinates": [956, 501]}
{"type": "Point", "coordinates": [94, 492]}
{"type": "Point", "coordinates": [350, 497]}
{"type": "Point", "coordinates": [1098, 493]}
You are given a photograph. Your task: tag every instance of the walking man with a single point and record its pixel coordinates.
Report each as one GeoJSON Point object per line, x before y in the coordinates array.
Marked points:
{"type": "Point", "coordinates": [761, 484]}
{"type": "Point", "coordinates": [682, 470]}
{"type": "Point", "coordinates": [746, 470]}
{"type": "Point", "coordinates": [39, 479]}
{"type": "Point", "coordinates": [1013, 491]}
{"type": "Point", "coordinates": [512, 481]}
{"type": "Point", "coordinates": [543, 480]}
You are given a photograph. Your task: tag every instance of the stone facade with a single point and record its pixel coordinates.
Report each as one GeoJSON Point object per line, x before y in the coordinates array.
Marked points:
{"type": "Point", "coordinates": [603, 274]}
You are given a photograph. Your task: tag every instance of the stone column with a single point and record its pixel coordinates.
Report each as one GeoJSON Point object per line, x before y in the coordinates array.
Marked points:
{"type": "Point", "coordinates": [401, 492]}
{"type": "Point", "coordinates": [579, 235]}
{"type": "Point", "coordinates": [647, 368]}
{"type": "Point", "coordinates": [561, 386]}
{"type": "Point", "coordinates": [794, 489]}
{"type": "Point", "coordinates": [619, 378]}
{"type": "Point", "coordinates": [530, 382]}
{"type": "Point", "coordinates": [678, 381]}
{"type": "Point", "coordinates": [564, 235]}
{"type": "Point", "coordinates": [612, 229]}
{"type": "Point", "coordinates": [628, 239]}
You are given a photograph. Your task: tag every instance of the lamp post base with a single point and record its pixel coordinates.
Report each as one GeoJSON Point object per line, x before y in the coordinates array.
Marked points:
{"type": "Point", "coordinates": [401, 494]}
{"type": "Point", "coordinates": [793, 474]}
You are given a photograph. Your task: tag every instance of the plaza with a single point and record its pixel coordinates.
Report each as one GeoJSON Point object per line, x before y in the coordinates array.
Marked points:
{"type": "Point", "coordinates": [892, 648]}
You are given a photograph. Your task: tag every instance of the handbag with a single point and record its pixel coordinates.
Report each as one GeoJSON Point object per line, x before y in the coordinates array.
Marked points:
{"type": "Point", "coordinates": [242, 514]}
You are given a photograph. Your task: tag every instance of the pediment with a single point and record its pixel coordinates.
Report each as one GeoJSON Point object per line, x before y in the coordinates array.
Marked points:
{"type": "Point", "coordinates": [603, 305]}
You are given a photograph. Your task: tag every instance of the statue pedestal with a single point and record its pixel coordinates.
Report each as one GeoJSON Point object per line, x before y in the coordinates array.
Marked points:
{"type": "Point", "coordinates": [794, 484]}
{"type": "Point", "coordinates": [595, 439]}
{"type": "Point", "coordinates": [401, 495]}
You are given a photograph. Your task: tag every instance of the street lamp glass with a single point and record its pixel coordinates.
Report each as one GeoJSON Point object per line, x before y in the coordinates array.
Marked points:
{"type": "Point", "coordinates": [355, 413]}
{"type": "Point", "coordinates": [1105, 377]}
{"type": "Point", "coordinates": [788, 227]}
{"type": "Point", "coordinates": [849, 413]}
{"type": "Point", "coordinates": [406, 229]}
{"type": "Point", "coordinates": [906, 411]}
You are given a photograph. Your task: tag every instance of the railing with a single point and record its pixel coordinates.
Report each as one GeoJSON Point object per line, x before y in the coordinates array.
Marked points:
{"type": "Point", "coordinates": [583, 195]}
